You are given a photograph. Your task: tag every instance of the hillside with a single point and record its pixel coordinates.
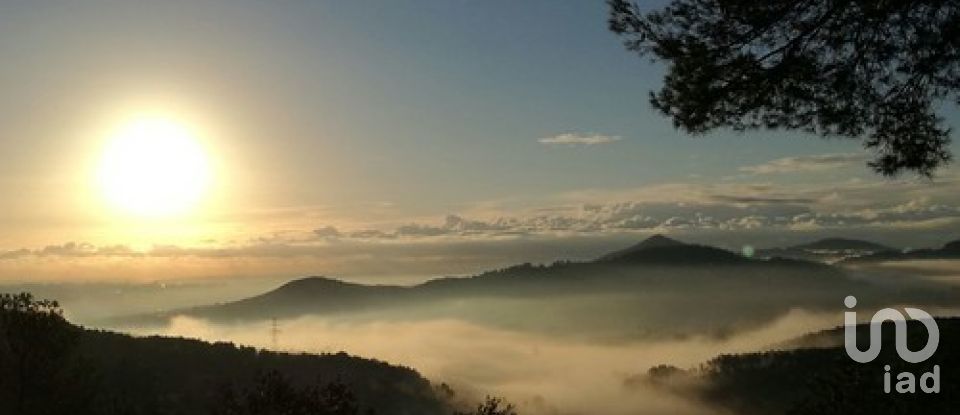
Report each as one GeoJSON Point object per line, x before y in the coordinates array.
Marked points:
{"type": "Point", "coordinates": [826, 250]}
{"type": "Point", "coordinates": [819, 381]}
{"type": "Point", "coordinates": [659, 249]}
{"type": "Point", "coordinates": [99, 372]}
{"type": "Point", "coordinates": [950, 250]}
{"type": "Point", "coordinates": [310, 295]}
{"type": "Point", "coordinates": [722, 292]}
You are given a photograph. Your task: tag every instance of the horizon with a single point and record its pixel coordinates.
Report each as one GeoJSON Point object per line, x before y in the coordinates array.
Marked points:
{"type": "Point", "coordinates": [317, 145]}
{"type": "Point", "coordinates": [479, 207]}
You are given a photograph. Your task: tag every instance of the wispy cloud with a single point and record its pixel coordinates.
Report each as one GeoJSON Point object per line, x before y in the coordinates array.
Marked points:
{"type": "Point", "coordinates": [579, 139]}
{"type": "Point", "coordinates": [572, 225]}
{"type": "Point", "coordinates": [818, 162]}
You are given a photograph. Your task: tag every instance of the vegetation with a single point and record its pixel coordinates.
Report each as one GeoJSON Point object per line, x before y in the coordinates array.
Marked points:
{"type": "Point", "coordinates": [273, 394]}
{"type": "Point", "coordinates": [848, 68]}
{"type": "Point", "coordinates": [822, 381]}
{"type": "Point", "coordinates": [50, 367]}
{"type": "Point", "coordinates": [492, 406]}
{"type": "Point", "coordinates": [576, 299]}
{"type": "Point", "coordinates": [37, 358]}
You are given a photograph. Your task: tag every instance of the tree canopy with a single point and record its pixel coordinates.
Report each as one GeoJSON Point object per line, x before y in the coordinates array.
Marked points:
{"type": "Point", "coordinates": [875, 70]}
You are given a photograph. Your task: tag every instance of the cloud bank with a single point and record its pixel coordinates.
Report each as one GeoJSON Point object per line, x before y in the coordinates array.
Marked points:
{"type": "Point", "coordinates": [542, 374]}
{"type": "Point", "coordinates": [799, 164]}
{"type": "Point", "coordinates": [579, 139]}
{"type": "Point", "coordinates": [574, 225]}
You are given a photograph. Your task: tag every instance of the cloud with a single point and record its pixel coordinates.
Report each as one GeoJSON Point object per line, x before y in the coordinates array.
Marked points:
{"type": "Point", "coordinates": [371, 234]}
{"type": "Point", "coordinates": [755, 199]}
{"type": "Point", "coordinates": [327, 232]}
{"type": "Point", "coordinates": [728, 211]}
{"type": "Point", "coordinates": [579, 139]}
{"type": "Point", "coordinates": [71, 249]}
{"type": "Point", "coordinates": [544, 375]}
{"type": "Point", "coordinates": [571, 225]}
{"type": "Point", "coordinates": [814, 163]}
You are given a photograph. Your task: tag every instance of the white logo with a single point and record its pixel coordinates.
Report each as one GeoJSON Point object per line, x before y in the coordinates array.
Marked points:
{"type": "Point", "coordinates": [906, 380]}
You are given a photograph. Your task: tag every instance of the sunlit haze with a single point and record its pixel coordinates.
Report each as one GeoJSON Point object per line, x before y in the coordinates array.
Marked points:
{"type": "Point", "coordinates": [153, 167]}
{"type": "Point", "coordinates": [422, 207]}
{"type": "Point", "coordinates": [283, 141]}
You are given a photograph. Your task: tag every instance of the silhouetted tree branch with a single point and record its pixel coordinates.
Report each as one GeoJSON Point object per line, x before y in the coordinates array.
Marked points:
{"type": "Point", "coordinates": [870, 69]}
{"type": "Point", "coordinates": [492, 406]}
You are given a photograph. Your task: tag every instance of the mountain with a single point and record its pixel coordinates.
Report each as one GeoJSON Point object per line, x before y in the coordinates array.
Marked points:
{"type": "Point", "coordinates": [628, 294]}
{"type": "Point", "coordinates": [310, 295]}
{"type": "Point", "coordinates": [950, 250]}
{"type": "Point", "coordinates": [655, 241]}
{"type": "Point", "coordinates": [826, 250]}
{"type": "Point", "coordinates": [659, 249]}
{"type": "Point", "coordinates": [843, 244]}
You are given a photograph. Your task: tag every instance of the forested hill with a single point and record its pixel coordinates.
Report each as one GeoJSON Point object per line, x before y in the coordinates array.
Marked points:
{"type": "Point", "coordinates": [822, 380]}
{"type": "Point", "coordinates": [95, 372]}
{"type": "Point", "coordinates": [949, 251]}
{"type": "Point", "coordinates": [625, 295]}
{"type": "Point", "coordinates": [657, 264]}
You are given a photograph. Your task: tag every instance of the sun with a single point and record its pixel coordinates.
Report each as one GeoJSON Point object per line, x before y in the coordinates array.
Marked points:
{"type": "Point", "coordinates": [154, 167]}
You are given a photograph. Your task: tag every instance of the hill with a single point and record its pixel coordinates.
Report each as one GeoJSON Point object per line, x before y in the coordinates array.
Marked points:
{"type": "Point", "coordinates": [641, 286]}
{"type": "Point", "coordinates": [655, 241]}
{"type": "Point", "coordinates": [821, 380]}
{"type": "Point", "coordinates": [950, 250]}
{"type": "Point", "coordinates": [826, 250]}
{"type": "Point", "coordinates": [659, 249]}
{"type": "Point", "coordinates": [310, 295]}
{"type": "Point", "coordinates": [843, 244]}
{"type": "Point", "coordinates": [99, 372]}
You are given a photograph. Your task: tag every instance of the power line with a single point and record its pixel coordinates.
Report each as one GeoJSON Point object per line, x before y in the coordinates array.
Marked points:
{"type": "Point", "coordinates": [275, 333]}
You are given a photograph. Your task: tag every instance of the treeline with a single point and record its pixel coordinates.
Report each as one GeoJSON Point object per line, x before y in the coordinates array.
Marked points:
{"type": "Point", "coordinates": [51, 367]}
{"type": "Point", "coordinates": [824, 381]}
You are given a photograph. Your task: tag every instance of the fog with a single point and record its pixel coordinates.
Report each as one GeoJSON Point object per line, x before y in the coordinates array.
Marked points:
{"type": "Point", "coordinates": [89, 303]}
{"type": "Point", "coordinates": [939, 271]}
{"type": "Point", "coordinates": [579, 353]}
{"type": "Point", "coordinates": [541, 374]}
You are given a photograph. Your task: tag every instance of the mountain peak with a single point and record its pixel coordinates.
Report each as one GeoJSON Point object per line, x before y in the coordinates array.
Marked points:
{"type": "Point", "coordinates": [659, 249]}
{"type": "Point", "coordinates": [305, 285]}
{"type": "Point", "coordinates": [313, 281]}
{"type": "Point", "coordinates": [656, 241]}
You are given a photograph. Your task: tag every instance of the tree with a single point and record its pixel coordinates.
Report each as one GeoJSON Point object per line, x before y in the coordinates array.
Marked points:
{"type": "Point", "coordinates": [36, 359]}
{"type": "Point", "coordinates": [274, 394]}
{"type": "Point", "coordinates": [492, 406]}
{"type": "Point", "coordinates": [869, 69]}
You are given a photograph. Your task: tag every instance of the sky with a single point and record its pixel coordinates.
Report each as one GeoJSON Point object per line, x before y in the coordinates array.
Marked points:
{"type": "Point", "coordinates": [394, 140]}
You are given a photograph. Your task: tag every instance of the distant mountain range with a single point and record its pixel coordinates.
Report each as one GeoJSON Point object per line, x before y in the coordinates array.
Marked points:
{"type": "Point", "coordinates": [827, 250]}
{"type": "Point", "coordinates": [844, 251]}
{"type": "Point", "coordinates": [950, 250]}
{"type": "Point", "coordinates": [658, 287]}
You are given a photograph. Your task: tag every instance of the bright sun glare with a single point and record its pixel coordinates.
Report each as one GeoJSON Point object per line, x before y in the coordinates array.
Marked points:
{"type": "Point", "coordinates": [154, 167]}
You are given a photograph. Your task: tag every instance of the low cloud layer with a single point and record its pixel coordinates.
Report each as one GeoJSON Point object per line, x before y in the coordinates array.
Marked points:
{"type": "Point", "coordinates": [543, 375]}
{"type": "Point", "coordinates": [820, 162]}
{"type": "Point", "coordinates": [694, 208]}
{"type": "Point", "coordinates": [579, 139]}
{"type": "Point", "coordinates": [573, 225]}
